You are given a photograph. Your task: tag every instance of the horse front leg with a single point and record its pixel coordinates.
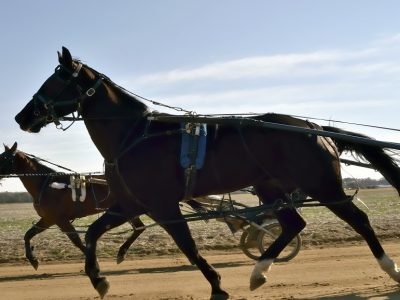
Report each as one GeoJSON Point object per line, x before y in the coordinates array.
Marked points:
{"type": "Point", "coordinates": [178, 229]}
{"type": "Point", "coordinates": [110, 219]}
{"type": "Point", "coordinates": [138, 228]}
{"type": "Point", "coordinates": [39, 227]}
{"type": "Point", "coordinates": [292, 224]}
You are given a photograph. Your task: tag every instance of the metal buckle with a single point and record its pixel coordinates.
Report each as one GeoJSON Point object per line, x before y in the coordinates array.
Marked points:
{"type": "Point", "coordinates": [90, 92]}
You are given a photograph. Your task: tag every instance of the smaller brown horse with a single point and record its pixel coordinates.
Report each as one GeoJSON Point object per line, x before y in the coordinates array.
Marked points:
{"type": "Point", "coordinates": [56, 206]}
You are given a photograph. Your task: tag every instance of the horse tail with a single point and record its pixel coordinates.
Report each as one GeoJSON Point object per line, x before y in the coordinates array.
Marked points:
{"type": "Point", "coordinates": [377, 157]}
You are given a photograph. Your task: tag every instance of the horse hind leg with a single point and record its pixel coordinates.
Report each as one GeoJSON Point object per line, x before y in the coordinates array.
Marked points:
{"type": "Point", "coordinates": [138, 228]}
{"type": "Point", "coordinates": [39, 227]}
{"type": "Point", "coordinates": [359, 221]}
{"type": "Point", "coordinates": [292, 224]}
{"type": "Point", "coordinates": [71, 233]}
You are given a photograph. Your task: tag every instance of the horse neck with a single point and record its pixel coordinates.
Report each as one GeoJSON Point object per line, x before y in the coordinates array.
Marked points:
{"type": "Point", "coordinates": [25, 165]}
{"type": "Point", "coordinates": [109, 117]}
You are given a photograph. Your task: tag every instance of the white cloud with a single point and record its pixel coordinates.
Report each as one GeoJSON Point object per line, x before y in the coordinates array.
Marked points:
{"type": "Point", "coordinates": [250, 67]}
{"type": "Point", "coordinates": [334, 82]}
{"type": "Point", "coordinates": [286, 66]}
{"type": "Point", "coordinates": [372, 66]}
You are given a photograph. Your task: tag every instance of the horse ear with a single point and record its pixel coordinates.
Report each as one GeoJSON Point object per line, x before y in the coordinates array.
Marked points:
{"type": "Point", "coordinates": [14, 147]}
{"type": "Point", "coordinates": [65, 58]}
{"type": "Point", "coordinates": [6, 148]}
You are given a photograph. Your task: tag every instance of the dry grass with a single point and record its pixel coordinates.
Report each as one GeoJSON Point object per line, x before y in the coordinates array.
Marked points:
{"type": "Point", "coordinates": [323, 229]}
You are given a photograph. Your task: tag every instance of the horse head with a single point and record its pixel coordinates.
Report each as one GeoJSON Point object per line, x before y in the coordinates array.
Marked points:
{"type": "Point", "coordinates": [61, 94]}
{"type": "Point", "coordinates": [7, 160]}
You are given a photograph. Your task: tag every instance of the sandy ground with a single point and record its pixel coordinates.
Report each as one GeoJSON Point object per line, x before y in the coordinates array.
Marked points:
{"type": "Point", "coordinates": [334, 263]}
{"type": "Point", "coordinates": [345, 272]}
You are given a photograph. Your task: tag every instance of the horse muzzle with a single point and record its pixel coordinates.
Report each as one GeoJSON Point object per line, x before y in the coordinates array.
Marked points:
{"type": "Point", "coordinates": [33, 126]}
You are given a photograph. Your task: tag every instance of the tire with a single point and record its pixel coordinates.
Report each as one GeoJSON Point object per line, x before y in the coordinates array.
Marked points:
{"type": "Point", "coordinates": [265, 239]}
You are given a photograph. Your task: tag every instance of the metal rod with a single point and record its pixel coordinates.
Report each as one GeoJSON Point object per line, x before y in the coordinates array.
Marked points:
{"type": "Point", "coordinates": [263, 124]}
{"type": "Point", "coordinates": [97, 181]}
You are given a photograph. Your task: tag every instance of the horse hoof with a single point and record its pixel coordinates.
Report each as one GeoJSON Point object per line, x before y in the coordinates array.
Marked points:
{"type": "Point", "coordinates": [255, 283]}
{"type": "Point", "coordinates": [102, 287]}
{"type": "Point", "coordinates": [34, 263]}
{"type": "Point", "coordinates": [120, 258]}
{"type": "Point", "coordinates": [222, 296]}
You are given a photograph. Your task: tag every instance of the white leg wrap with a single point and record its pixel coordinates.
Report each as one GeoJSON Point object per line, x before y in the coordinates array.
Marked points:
{"type": "Point", "coordinates": [260, 268]}
{"type": "Point", "coordinates": [390, 267]}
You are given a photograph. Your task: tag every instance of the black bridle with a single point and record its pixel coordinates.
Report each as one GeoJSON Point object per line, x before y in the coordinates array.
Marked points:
{"type": "Point", "coordinates": [49, 104]}
{"type": "Point", "coordinates": [7, 161]}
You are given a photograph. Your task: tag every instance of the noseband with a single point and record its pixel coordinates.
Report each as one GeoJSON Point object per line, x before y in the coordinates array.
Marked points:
{"type": "Point", "coordinates": [50, 103]}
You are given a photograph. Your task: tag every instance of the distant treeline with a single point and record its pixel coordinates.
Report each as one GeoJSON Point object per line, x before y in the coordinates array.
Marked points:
{"type": "Point", "coordinates": [348, 183]}
{"type": "Point", "coordinates": [17, 197]}
{"type": "Point", "coordinates": [364, 183]}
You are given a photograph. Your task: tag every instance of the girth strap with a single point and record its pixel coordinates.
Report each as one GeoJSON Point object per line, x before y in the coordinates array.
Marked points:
{"type": "Point", "coordinates": [113, 168]}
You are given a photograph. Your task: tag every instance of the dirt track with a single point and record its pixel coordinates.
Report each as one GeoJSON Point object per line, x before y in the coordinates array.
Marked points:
{"type": "Point", "coordinates": [332, 273]}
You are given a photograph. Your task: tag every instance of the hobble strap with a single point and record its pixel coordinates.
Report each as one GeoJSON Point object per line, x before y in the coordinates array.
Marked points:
{"type": "Point", "coordinates": [78, 188]}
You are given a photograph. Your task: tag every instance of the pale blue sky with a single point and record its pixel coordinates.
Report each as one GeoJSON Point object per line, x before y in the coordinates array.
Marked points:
{"type": "Point", "coordinates": [330, 59]}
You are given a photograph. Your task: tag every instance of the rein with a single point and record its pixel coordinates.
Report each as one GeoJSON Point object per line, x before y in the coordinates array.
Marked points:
{"type": "Point", "coordinates": [17, 175]}
{"type": "Point", "coordinates": [46, 161]}
{"type": "Point", "coordinates": [68, 173]}
{"type": "Point", "coordinates": [52, 117]}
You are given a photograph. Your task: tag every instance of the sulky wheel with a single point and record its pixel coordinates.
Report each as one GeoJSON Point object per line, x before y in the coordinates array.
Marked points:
{"type": "Point", "coordinates": [248, 242]}
{"type": "Point", "coordinates": [265, 239]}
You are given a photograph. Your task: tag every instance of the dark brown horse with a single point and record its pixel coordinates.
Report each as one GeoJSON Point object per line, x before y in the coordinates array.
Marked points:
{"type": "Point", "coordinates": [56, 206]}
{"type": "Point", "coordinates": [136, 149]}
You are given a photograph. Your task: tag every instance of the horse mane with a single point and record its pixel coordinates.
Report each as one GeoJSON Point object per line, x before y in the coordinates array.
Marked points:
{"type": "Point", "coordinates": [35, 164]}
{"type": "Point", "coordinates": [121, 89]}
